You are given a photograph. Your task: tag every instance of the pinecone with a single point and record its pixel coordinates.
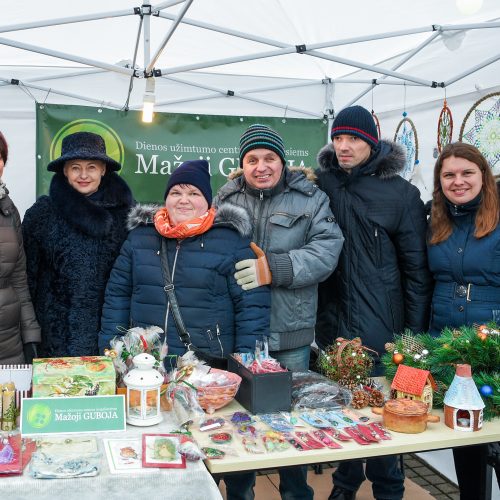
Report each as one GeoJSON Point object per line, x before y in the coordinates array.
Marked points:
{"type": "Point", "coordinates": [360, 399]}
{"type": "Point", "coordinates": [376, 398]}
{"type": "Point", "coordinates": [390, 346]}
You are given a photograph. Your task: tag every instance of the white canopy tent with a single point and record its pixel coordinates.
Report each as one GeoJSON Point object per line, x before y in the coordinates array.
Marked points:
{"type": "Point", "coordinates": [263, 58]}
{"type": "Point", "coordinates": [281, 58]}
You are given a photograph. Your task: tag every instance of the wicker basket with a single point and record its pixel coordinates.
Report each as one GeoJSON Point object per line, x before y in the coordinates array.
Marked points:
{"type": "Point", "coordinates": [212, 398]}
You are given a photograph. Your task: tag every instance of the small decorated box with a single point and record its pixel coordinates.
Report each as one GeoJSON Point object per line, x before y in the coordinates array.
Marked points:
{"type": "Point", "coordinates": [83, 376]}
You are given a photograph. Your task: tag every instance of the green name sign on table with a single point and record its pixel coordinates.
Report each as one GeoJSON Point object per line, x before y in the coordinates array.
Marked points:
{"type": "Point", "coordinates": [72, 415]}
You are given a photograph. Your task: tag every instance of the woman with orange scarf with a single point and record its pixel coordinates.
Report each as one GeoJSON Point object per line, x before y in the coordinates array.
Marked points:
{"type": "Point", "coordinates": [202, 246]}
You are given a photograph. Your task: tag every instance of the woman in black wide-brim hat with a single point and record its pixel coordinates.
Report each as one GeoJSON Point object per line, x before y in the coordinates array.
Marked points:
{"type": "Point", "coordinates": [72, 237]}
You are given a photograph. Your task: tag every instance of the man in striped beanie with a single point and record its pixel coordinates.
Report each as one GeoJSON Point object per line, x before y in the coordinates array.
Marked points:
{"type": "Point", "coordinates": [299, 244]}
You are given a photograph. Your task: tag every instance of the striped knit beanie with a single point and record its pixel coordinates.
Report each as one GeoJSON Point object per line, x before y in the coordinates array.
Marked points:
{"type": "Point", "coordinates": [261, 136]}
{"type": "Point", "coordinates": [357, 121]}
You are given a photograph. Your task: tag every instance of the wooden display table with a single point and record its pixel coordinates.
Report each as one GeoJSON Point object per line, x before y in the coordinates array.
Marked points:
{"type": "Point", "coordinates": [437, 436]}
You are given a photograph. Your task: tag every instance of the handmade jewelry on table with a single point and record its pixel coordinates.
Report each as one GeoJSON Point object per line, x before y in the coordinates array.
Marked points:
{"type": "Point", "coordinates": [211, 423]}
{"type": "Point", "coordinates": [240, 417]}
{"type": "Point", "coordinates": [221, 437]}
{"type": "Point", "coordinates": [213, 453]}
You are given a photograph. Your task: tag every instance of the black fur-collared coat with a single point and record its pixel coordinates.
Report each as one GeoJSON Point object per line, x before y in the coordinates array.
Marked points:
{"type": "Point", "coordinates": [71, 242]}
{"type": "Point", "coordinates": [382, 284]}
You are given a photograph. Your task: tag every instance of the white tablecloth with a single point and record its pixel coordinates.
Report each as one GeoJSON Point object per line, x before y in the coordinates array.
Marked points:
{"type": "Point", "coordinates": [192, 483]}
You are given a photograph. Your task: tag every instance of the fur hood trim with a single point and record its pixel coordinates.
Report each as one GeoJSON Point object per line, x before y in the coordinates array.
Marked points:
{"type": "Point", "coordinates": [307, 171]}
{"type": "Point", "coordinates": [387, 161]}
{"type": "Point", "coordinates": [227, 215]}
{"type": "Point", "coordinates": [91, 218]}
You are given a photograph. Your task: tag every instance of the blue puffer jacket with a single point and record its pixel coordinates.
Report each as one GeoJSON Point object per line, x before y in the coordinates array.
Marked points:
{"type": "Point", "coordinates": [220, 317]}
{"type": "Point", "coordinates": [467, 274]}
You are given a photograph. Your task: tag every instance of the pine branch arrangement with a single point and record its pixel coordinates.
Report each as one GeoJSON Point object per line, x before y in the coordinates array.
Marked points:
{"type": "Point", "coordinates": [478, 346]}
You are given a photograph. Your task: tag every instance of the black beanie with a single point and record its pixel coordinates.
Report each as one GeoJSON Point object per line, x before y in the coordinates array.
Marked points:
{"type": "Point", "coordinates": [357, 121]}
{"type": "Point", "coordinates": [261, 136]}
{"type": "Point", "coordinates": [194, 172]}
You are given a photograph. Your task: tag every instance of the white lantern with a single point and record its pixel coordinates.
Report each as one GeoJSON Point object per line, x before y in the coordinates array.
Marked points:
{"type": "Point", "coordinates": [143, 391]}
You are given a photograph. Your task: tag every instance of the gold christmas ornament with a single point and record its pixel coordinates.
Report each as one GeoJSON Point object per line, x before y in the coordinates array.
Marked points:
{"type": "Point", "coordinates": [397, 358]}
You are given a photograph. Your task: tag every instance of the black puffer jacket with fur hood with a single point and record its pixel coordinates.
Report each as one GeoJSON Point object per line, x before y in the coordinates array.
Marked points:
{"type": "Point", "coordinates": [382, 284]}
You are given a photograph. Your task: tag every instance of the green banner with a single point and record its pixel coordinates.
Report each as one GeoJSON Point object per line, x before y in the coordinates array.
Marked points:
{"type": "Point", "coordinates": [149, 153]}
{"type": "Point", "coordinates": [72, 415]}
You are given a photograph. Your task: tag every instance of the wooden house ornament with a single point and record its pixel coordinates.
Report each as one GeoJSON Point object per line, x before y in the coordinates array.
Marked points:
{"type": "Point", "coordinates": [413, 383]}
{"type": "Point", "coordinates": [463, 406]}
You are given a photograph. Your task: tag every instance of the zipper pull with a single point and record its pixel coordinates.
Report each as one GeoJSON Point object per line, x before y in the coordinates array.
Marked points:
{"type": "Point", "coordinates": [209, 333]}
{"type": "Point", "coordinates": [376, 232]}
{"type": "Point", "coordinates": [261, 196]}
{"type": "Point", "coordinates": [217, 331]}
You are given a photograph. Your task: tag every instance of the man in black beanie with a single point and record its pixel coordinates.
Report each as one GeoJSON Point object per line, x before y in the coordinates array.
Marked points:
{"type": "Point", "coordinates": [299, 245]}
{"type": "Point", "coordinates": [381, 285]}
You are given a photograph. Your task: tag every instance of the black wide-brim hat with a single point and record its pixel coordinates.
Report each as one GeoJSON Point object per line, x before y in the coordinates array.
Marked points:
{"type": "Point", "coordinates": [82, 146]}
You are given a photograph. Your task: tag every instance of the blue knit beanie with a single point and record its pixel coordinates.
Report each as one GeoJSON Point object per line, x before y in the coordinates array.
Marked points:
{"type": "Point", "coordinates": [357, 121]}
{"type": "Point", "coordinates": [261, 136]}
{"type": "Point", "coordinates": [194, 172]}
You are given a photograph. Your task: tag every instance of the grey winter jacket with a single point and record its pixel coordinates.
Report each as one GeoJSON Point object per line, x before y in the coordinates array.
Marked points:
{"type": "Point", "coordinates": [295, 227]}
{"type": "Point", "coordinates": [18, 324]}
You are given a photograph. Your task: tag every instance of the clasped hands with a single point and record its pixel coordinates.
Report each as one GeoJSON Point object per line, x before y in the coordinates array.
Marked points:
{"type": "Point", "coordinates": [252, 273]}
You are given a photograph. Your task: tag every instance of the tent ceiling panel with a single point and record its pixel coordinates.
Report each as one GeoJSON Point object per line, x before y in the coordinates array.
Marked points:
{"type": "Point", "coordinates": [237, 39]}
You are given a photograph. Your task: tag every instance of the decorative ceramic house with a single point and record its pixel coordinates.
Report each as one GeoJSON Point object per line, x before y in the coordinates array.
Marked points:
{"type": "Point", "coordinates": [463, 406]}
{"type": "Point", "coordinates": [414, 383]}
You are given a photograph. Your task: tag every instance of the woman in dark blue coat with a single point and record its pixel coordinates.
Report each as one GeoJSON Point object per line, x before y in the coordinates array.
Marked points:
{"type": "Point", "coordinates": [464, 257]}
{"type": "Point", "coordinates": [203, 246]}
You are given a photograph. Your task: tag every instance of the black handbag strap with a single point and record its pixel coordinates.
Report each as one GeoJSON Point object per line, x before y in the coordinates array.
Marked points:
{"type": "Point", "coordinates": [172, 299]}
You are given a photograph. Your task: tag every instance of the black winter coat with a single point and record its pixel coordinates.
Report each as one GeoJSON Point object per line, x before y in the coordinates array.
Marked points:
{"type": "Point", "coordinates": [71, 243]}
{"type": "Point", "coordinates": [381, 285]}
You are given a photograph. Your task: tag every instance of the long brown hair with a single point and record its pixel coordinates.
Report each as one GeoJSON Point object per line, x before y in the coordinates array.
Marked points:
{"type": "Point", "coordinates": [4, 149]}
{"type": "Point", "coordinates": [487, 215]}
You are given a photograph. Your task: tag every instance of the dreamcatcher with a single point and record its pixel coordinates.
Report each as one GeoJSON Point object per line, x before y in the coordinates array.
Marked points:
{"type": "Point", "coordinates": [481, 128]}
{"type": "Point", "coordinates": [377, 123]}
{"type": "Point", "coordinates": [406, 136]}
{"type": "Point", "coordinates": [445, 127]}
{"type": "Point", "coordinates": [376, 120]}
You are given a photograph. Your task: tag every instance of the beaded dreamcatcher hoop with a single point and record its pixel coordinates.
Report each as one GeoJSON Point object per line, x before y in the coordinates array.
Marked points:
{"type": "Point", "coordinates": [406, 135]}
{"type": "Point", "coordinates": [481, 128]}
{"type": "Point", "coordinates": [445, 127]}
{"type": "Point", "coordinates": [377, 124]}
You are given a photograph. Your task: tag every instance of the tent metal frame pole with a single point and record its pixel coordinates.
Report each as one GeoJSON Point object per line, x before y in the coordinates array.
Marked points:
{"type": "Point", "coordinates": [57, 77]}
{"type": "Point", "coordinates": [67, 20]}
{"type": "Point", "coordinates": [282, 87]}
{"type": "Point", "coordinates": [463, 27]}
{"type": "Point", "coordinates": [169, 34]}
{"type": "Point", "coordinates": [165, 5]}
{"type": "Point", "coordinates": [379, 81]}
{"type": "Point", "coordinates": [291, 50]}
{"type": "Point", "coordinates": [375, 69]}
{"type": "Point", "coordinates": [69, 94]}
{"type": "Point", "coordinates": [226, 31]}
{"type": "Point", "coordinates": [228, 60]}
{"type": "Point", "coordinates": [246, 91]}
{"type": "Point", "coordinates": [224, 93]}
{"type": "Point", "coordinates": [479, 66]}
{"type": "Point", "coordinates": [405, 59]}
{"type": "Point", "coordinates": [146, 35]}
{"type": "Point", "coordinates": [68, 57]}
